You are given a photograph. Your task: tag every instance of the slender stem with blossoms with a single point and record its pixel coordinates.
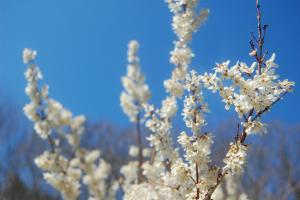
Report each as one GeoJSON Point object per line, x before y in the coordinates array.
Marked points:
{"type": "Point", "coordinates": [135, 94]}
{"type": "Point", "coordinates": [161, 172]}
{"type": "Point", "coordinates": [50, 118]}
{"type": "Point", "coordinates": [250, 90]}
{"type": "Point", "coordinates": [253, 93]}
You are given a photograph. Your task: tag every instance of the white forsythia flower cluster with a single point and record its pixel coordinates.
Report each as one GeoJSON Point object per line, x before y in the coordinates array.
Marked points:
{"type": "Point", "coordinates": [161, 172]}
{"type": "Point", "coordinates": [186, 20]}
{"type": "Point", "coordinates": [55, 123]}
{"type": "Point", "coordinates": [250, 90]}
{"type": "Point", "coordinates": [136, 91]}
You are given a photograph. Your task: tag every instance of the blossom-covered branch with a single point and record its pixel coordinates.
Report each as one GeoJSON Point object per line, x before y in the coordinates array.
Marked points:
{"type": "Point", "coordinates": [252, 91]}
{"type": "Point", "coordinates": [50, 118]}
{"type": "Point", "coordinates": [135, 95]}
{"type": "Point", "coordinates": [162, 172]}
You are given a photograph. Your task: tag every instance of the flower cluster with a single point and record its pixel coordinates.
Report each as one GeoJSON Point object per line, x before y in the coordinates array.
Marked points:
{"type": "Point", "coordinates": [235, 158]}
{"type": "Point", "coordinates": [194, 107]}
{"type": "Point", "coordinates": [165, 157]}
{"type": "Point", "coordinates": [197, 148]}
{"type": "Point", "coordinates": [161, 172]}
{"type": "Point", "coordinates": [136, 91]}
{"type": "Point", "coordinates": [186, 20]}
{"type": "Point", "coordinates": [63, 172]}
{"type": "Point", "coordinates": [251, 92]}
{"type": "Point", "coordinates": [60, 174]}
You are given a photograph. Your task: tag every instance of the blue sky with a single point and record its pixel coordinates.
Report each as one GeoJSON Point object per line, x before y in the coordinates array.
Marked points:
{"type": "Point", "coordinates": [82, 46]}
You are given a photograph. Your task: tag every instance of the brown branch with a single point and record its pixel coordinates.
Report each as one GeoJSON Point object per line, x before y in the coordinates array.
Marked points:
{"type": "Point", "coordinates": [260, 37]}
{"type": "Point", "coordinates": [193, 179]}
{"type": "Point", "coordinates": [211, 190]}
{"type": "Point", "coordinates": [140, 146]}
{"type": "Point", "coordinates": [153, 154]}
{"type": "Point", "coordinates": [256, 44]}
{"type": "Point", "coordinates": [268, 107]}
{"type": "Point", "coordinates": [244, 134]}
{"type": "Point", "coordinates": [197, 181]}
{"type": "Point", "coordinates": [51, 143]}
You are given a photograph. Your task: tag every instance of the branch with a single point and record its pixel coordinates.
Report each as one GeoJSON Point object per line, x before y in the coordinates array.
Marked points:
{"type": "Point", "coordinates": [140, 146]}
{"type": "Point", "coordinates": [211, 190]}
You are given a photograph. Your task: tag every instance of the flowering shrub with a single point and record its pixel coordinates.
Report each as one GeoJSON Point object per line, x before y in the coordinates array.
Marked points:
{"type": "Point", "coordinates": [161, 172]}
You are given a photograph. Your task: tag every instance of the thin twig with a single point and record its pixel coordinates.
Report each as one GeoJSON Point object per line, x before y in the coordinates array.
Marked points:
{"type": "Point", "coordinates": [197, 180]}
{"type": "Point", "coordinates": [211, 190]}
{"type": "Point", "coordinates": [244, 134]}
{"type": "Point", "coordinates": [140, 147]}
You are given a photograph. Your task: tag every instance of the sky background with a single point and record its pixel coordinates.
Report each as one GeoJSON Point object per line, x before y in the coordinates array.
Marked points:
{"type": "Point", "coordinates": [82, 48]}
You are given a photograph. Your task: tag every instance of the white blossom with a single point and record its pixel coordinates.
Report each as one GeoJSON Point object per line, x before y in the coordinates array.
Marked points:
{"type": "Point", "coordinates": [162, 173]}
{"type": "Point", "coordinates": [48, 115]}
{"type": "Point", "coordinates": [133, 151]}
{"type": "Point", "coordinates": [28, 55]}
{"type": "Point", "coordinates": [235, 158]}
{"type": "Point", "coordinates": [194, 107]}
{"type": "Point", "coordinates": [252, 127]}
{"type": "Point", "coordinates": [136, 92]}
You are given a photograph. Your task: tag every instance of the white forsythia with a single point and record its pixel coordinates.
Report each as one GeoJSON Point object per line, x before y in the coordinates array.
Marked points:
{"type": "Point", "coordinates": [252, 91]}
{"type": "Point", "coordinates": [161, 172]}
{"type": "Point", "coordinates": [55, 123]}
{"type": "Point", "coordinates": [136, 91]}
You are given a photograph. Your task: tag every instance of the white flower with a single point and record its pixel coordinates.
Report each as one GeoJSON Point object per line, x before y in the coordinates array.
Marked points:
{"type": "Point", "coordinates": [50, 116]}
{"type": "Point", "coordinates": [77, 124]}
{"type": "Point", "coordinates": [253, 53]}
{"type": "Point", "coordinates": [180, 171]}
{"type": "Point", "coordinates": [254, 127]}
{"type": "Point", "coordinates": [169, 107]}
{"type": "Point", "coordinates": [194, 107]}
{"type": "Point", "coordinates": [270, 63]}
{"type": "Point", "coordinates": [197, 148]}
{"type": "Point", "coordinates": [248, 70]}
{"type": "Point", "coordinates": [30, 111]}
{"type": "Point", "coordinates": [130, 171]}
{"type": "Point", "coordinates": [136, 92]}
{"type": "Point", "coordinates": [28, 55]}
{"type": "Point", "coordinates": [235, 158]}
{"type": "Point", "coordinates": [69, 187]}
{"type": "Point", "coordinates": [181, 55]}
{"type": "Point", "coordinates": [103, 170]}
{"type": "Point", "coordinates": [174, 87]}
{"type": "Point", "coordinates": [133, 151]}
{"type": "Point", "coordinates": [184, 140]}
{"type": "Point", "coordinates": [92, 156]}
{"type": "Point", "coordinates": [42, 128]}
{"type": "Point", "coordinates": [147, 152]}
{"type": "Point", "coordinates": [286, 85]}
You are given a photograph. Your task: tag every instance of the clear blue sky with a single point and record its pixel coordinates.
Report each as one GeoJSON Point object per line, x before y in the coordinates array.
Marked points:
{"type": "Point", "coordinates": [82, 48]}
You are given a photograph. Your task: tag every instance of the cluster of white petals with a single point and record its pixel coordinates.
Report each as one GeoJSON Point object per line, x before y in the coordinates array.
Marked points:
{"type": "Point", "coordinates": [251, 92]}
{"type": "Point", "coordinates": [186, 20]}
{"type": "Point", "coordinates": [235, 158]}
{"type": "Point", "coordinates": [197, 148]}
{"type": "Point", "coordinates": [166, 174]}
{"type": "Point", "coordinates": [62, 176]}
{"type": "Point", "coordinates": [28, 55]}
{"type": "Point", "coordinates": [194, 107]}
{"type": "Point", "coordinates": [161, 171]}
{"type": "Point", "coordinates": [255, 126]}
{"type": "Point", "coordinates": [50, 118]}
{"type": "Point", "coordinates": [136, 92]}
